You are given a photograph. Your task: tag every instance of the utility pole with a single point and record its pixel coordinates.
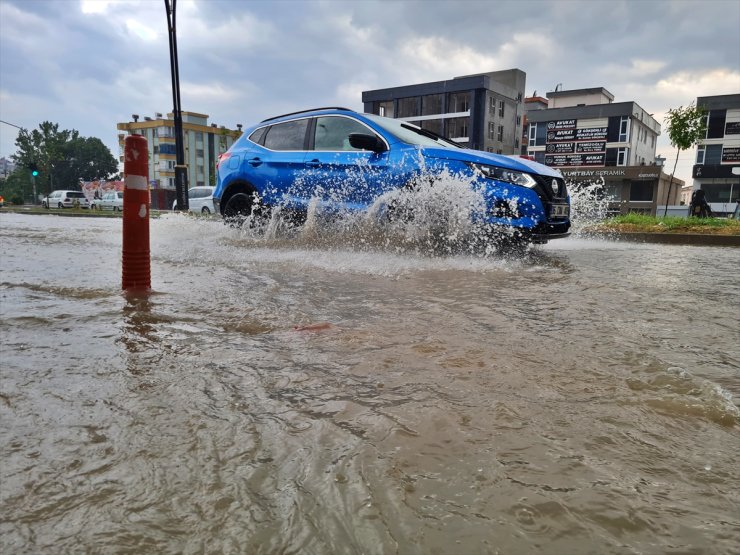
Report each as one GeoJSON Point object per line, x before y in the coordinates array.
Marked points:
{"type": "Point", "coordinates": [181, 170]}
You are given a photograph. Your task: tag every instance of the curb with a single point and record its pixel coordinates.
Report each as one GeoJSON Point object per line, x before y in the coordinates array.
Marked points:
{"type": "Point", "coordinates": [675, 238]}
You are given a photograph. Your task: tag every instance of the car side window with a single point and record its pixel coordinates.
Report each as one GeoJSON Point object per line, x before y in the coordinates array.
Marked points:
{"type": "Point", "coordinates": [286, 136]}
{"type": "Point", "coordinates": [256, 137]}
{"type": "Point", "coordinates": [332, 133]}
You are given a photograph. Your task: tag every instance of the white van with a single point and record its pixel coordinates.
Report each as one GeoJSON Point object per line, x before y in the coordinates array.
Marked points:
{"type": "Point", "coordinates": [200, 200]}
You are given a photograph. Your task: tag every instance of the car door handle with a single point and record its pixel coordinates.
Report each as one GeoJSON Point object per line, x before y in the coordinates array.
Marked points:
{"type": "Point", "coordinates": [255, 162]}
{"type": "Point", "coordinates": [313, 164]}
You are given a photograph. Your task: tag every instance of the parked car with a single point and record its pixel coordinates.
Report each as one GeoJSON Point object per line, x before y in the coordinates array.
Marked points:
{"type": "Point", "coordinates": [66, 199]}
{"type": "Point", "coordinates": [200, 200]}
{"type": "Point", "coordinates": [349, 159]}
{"type": "Point", "coordinates": [112, 200]}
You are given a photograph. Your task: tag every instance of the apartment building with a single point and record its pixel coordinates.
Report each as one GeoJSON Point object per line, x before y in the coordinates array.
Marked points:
{"type": "Point", "coordinates": [203, 142]}
{"type": "Point", "coordinates": [482, 111]}
{"type": "Point", "coordinates": [717, 168]}
{"type": "Point", "coordinates": [591, 138]}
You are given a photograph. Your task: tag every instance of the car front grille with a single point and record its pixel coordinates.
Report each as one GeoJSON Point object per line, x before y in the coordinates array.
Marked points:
{"type": "Point", "coordinates": [550, 188]}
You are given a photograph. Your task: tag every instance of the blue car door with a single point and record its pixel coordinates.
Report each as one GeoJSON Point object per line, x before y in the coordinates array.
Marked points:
{"type": "Point", "coordinates": [275, 169]}
{"type": "Point", "coordinates": [338, 174]}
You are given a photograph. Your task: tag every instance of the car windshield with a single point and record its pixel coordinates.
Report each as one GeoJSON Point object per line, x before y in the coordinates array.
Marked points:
{"type": "Point", "coordinates": [410, 133]}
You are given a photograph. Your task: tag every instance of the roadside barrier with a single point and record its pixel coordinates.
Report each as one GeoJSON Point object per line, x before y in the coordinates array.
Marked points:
{"type": "Point", "coordinates": [136, 254]}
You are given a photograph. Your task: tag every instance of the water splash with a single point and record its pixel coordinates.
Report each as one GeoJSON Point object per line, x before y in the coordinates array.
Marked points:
{"type": "Point", "coordinates": [437, 214]}
{"type": "Point", "coordinates": [589, 204]}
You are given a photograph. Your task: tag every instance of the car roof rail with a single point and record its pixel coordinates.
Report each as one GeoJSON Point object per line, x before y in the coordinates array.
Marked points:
{"type": "Point", "coordinates": [305, 111]}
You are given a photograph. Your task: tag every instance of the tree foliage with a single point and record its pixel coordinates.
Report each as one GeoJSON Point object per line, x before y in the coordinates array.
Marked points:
{"type": "Point", "coordinates": [686, 126]}
{"type": "Point", "coordinates": [63, 157]}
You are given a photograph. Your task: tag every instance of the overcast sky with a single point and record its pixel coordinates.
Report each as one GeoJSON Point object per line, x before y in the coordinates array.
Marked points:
{"type": "Point", "coordinates": [88, 64]}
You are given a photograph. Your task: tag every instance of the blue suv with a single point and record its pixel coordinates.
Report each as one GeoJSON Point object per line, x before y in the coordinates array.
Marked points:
{"type": "Point", "coordinates": [347, 160]}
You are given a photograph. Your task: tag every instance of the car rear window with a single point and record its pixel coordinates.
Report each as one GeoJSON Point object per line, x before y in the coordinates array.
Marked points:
{"type": "Point", "coordinates": [290, 135]}
{"type": "Point", "coordinates": [76, 195]}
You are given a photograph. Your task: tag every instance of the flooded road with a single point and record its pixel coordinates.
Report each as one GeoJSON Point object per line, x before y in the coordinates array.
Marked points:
{"type": "Point", "coordinates": [579, 398]}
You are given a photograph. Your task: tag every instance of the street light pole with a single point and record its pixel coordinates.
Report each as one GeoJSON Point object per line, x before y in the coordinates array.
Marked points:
{"type": "Point", "coordinates": [181, 170]}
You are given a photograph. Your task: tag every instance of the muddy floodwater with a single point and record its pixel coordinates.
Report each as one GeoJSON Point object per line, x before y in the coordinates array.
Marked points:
{"type": "Point", "coordinates": [578, 398]}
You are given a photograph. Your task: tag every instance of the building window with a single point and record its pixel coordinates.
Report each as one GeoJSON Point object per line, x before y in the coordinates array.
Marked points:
{"type": "Point", "coordinates": [518, 121]}
{"type": "Point", "coordinates": [385, 108]}
{"type": "Point", "coordinates": [622, 155]}
{"type": "Point", "coordinates": [501, 108]}
{"type": "Point", "coordinates": [491, 106]}
{"type": "Point", "coordinates": [641, 191]}
{"type": "Point", "coordinates": [458, 102]}
{"type": "Point", "coordinates": [700, 152]}
{"type": "Point", "coordinates": [500, 135]}
{"type": "Point", "coordinates": [199, 136]}
{"type": "Point", "coordinates": [433, 125]}
{"type": "Point", "coordinates": [516, 143]}
{"type": "Point", "coordinates": [624, 128]}
{"type": "Point", "coordinates": [491, 129]}
{"type": "Point", "coordinates": [199, 153]}
{"type": "Point", "coordinates": [713, 155]}
{"type": "Point", "coordinates": [533, 134]}
{"type": "Point", "coordinates": [431, 104]}
{"type": "Point", "coordinates": [457, 128]}
{"type": "Point", "coordinates": [408, 107]}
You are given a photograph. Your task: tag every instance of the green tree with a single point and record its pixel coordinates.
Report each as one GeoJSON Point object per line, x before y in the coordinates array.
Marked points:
{"type": "Point", "coordinates": [44, 146]}
{"type": "Point", "coordinates": [686, 127]}
{"type": "Point", "coordinates": [17, 187]}
{"type": "Point", "coordinates": [63, 157]}
{"type": "Point", "coordinates": [84, 159]}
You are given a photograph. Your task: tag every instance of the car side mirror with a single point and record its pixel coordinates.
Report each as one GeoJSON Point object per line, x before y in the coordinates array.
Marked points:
{"type": "Point", "coordinates": [367, 141]}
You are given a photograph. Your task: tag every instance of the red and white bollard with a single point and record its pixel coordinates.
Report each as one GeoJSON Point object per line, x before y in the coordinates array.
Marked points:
{"type": "Point", "coordinates": [136, 255]}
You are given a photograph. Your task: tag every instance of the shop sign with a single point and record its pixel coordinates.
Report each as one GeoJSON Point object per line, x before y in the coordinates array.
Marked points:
{"type": "Point", "coordinates": [732, 128]}
{"type": "Point", "coordinates": [565, 160]}
{"type": "Point", "coordinates": [731, 155]}
{"type": "Point", "coordinates": [560, 148]}
{"type": "Point", "coordinates": [591, 134]}
{"type": "Point", "coordinates": [559, 135]}
{"type": "Point", "coordinates": [561, 124]}
{"type": "Point", "coordinates": [591, 146]}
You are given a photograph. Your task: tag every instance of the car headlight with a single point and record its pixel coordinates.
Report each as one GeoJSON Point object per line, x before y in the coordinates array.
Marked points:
{"type": "Point", "coordinates": [503, 174]}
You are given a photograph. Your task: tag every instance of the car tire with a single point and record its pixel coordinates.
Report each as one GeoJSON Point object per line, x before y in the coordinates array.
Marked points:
{"type": "Point", "coordinates": [44, 206]}
{"type": "Point", "coordinates": [60, 205]}
{"type": "Point", "coordinates": [205, 210]}
{"type": "Point", "coordinates": [238, 208]}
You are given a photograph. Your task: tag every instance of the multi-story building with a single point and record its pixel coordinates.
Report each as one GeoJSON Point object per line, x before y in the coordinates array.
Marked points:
{"type": "Point", "coordinates": [202, 143]}
{"type": "Point", "coordinates": [717, 168]}
{"type": "Point", "coordinates": [482, 111]}
{"type": "Point", "coordinates": [6, 167]}
{"type": "Point", "coordinates": [531, 103]}
{"type": "Point", "coordinates": [590, 138]}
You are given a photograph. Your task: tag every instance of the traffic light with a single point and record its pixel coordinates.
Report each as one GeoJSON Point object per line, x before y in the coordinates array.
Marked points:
{"type": "Point", "coordinates": [34, 168]}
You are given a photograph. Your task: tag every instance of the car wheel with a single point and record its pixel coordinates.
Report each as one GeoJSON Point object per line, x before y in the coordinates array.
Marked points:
{"type": "Point", "coordinates": [44, 206]}
{"type": "Point", "coordinates": [242, 206]}
{"type": "Point", "coordinates": [205, 210]}
{"type": "Point", "coordinates": [60, 205]}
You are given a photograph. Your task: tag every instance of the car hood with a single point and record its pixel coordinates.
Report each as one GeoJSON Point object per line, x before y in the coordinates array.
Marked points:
{"type": "Point", "coordinates": [489, 158]}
